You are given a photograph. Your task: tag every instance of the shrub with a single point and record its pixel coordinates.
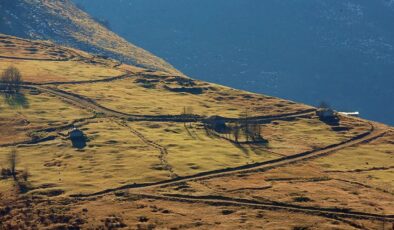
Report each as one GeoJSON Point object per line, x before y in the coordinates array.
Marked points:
{"type": "Point", "coordinates": [25, 174]}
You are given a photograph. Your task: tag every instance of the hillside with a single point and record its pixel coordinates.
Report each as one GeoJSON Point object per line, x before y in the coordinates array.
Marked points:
{"type": "Point", "coordinates": [165, 151]}
{"type": "Point", "coordinates": [64, 23]}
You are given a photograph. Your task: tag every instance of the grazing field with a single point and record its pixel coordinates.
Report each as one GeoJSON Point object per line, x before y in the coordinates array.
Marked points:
{"type": "Point", "coordinates": [290, 137]}
{"type": "Point", "coordinates": [113, 156]}
{"type": "Point", "coordinates": [25, 49]}
{"type": "Point", "coordinates": [81, 160]}
{"type": "Point", "coordinates": [372, 163]}
{"type": "Point", "coordinates": [191, 150]}
{"type": "Point", "coordinates": [25, 112]}
{"type": "Point", "coordinates": [130, 96]}
{"type": "Point", "coordinates": [304, 185]}
{"type": "Point", "coordinates": [41, 71]}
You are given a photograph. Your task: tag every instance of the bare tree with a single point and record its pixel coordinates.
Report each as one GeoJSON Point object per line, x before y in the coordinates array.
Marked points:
{"type": "Point", "coordinates": [13, 161]}
{"type": "Point", "coordinates": [11, 78]}
{"type": "Point", "coordinates": [324, 105]}
{"type": "Point", "coordinates": [25, 174]}
{"type": "Point", "coordinates": [236, 133]}
{"type": "Point", "coordinates": [244, 123]}
{"type": "Point", "coordinates": [254, 131]}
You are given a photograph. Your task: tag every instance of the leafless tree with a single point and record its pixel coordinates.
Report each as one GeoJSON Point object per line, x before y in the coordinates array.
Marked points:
{"type": "Point", "coordinates": [25, 174]}
{"type": "Point", "coordinates": [236, 132]}
{"type": "Point", "coordinates": [324, 105]}
{"type": "Point", "coordinates": [244, 124]}
{"type": "Point", "coordinates": [11, 78]}
{"type": "Point", "coordinates": [13, 161]}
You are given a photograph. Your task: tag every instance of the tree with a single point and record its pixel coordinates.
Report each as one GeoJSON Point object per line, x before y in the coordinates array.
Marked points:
{"type": "Point", "coordinates": [13, 161]}
{"type": "Point", "coordinates": [236, 133]}
{"type": "Point", "coordinates": [11, 78]}
{"type": "Point", "coordinates": [324, 105]}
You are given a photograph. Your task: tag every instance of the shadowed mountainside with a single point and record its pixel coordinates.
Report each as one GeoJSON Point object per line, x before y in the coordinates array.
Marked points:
{"type": "Point", "coordinates": [64, 23]}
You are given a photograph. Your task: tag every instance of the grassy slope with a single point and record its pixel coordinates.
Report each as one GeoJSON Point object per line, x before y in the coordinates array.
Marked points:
{"type": "Point", "coordinates": [123, 152]}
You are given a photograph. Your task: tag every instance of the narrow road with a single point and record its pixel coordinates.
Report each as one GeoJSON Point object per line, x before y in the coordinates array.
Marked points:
{"type": "Point", "coordinates": [88, 103]}
{"type": "Point", "coordinates": [376, 131]}
{"type": "Point", "coordinates": [104, 79]}
{"type": "Point", "coordinates": [225, 201]}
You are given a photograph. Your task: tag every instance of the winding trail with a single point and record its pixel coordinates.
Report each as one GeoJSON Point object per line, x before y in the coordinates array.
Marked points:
{"type": "Point", "coordinates": [89, 103]}
{"type": "Point", "coordinates": [376, 131]}
{"type": "Point", "coordinates": [104, 79]}
{"type": "Point", "coordinates": [163, 151]}
{"type": "Point", "coordinates": [36, 59]}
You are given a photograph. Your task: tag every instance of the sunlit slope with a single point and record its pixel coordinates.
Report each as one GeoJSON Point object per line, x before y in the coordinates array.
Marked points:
{"type": "Point", "coordinates": [64, 23]}
{"type": "Point", "coordinates": [151, 146]}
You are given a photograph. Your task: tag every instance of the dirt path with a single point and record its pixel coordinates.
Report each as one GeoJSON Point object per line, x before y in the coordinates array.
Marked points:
{"type": "Point", "coordinates": [88, 103]}
{"type": "Point", "coordinates": [375, 132]}
{"type": "Point", "coordinates": [225, 201]}
{"type": "Point", "coordinates": [36, 59]}
{"type": "Point", "coordinates": [104, 79]}
{"type": "Point", "coordinates": [163, 151]}
{"type": "Point", "coordinates": [360, 170]}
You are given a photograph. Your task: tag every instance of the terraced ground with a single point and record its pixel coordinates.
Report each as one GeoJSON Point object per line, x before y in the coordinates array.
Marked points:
{"type": "Point", "coordinates": [150, 160]}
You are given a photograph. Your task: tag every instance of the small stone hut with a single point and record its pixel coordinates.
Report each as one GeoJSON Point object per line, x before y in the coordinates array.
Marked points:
{"type": "Point", "coordinates": [217, 123]}
{"type": "Point", "coordinates": [76, 134]}
{"type": "Point", "coordinates": [327, 114]}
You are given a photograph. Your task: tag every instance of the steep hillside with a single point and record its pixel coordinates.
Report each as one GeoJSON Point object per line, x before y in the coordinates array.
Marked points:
{"type": "Point", "coordinates": [98, 144]}
{"type": "Point", "coordinates": [64, 23]}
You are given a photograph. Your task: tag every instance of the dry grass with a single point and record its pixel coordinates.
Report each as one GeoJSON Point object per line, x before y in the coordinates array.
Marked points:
{"type": "Point", "coordinates": [333, 181]}
{"type": "Point", "coordinates": [192, 151]}
{"type": "Point", "coordinates": [42, 71]}
{"type": "Point", "coordinates": [130, 97]}
{"type": "Point", "coordinates": [302, 184]}
{"type": "Point", "coordinates": [121, 152]}
{"type": "Point", "coordinates": [134, 213]}
{"type": "Point", "coordinates": [379, 153]}
{"type": "Point", "coordinates": [291, 137]}
{"type": "Point", "coordinates": [370, 163]}
{"type": "Point", "coordinates": [21, 114]}
{"type": "Point", "coordinates": [21, 48]}
{"type": "Point", "coordinates": [112, 157]}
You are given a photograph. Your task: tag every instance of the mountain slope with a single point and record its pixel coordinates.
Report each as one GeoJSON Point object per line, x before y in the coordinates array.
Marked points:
{"type": "Point", "coordinates": [147, 148]}
{"type": "Point", "coordinates": [64, 23]}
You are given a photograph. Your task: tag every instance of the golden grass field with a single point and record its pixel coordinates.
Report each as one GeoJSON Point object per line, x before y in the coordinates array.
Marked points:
{"type": "Point", "coordinates": [349, 180]}
{"type": "Point", "coordinates": [41, 71]}
{"type": "Point", "coordinates": [26, 112]}
{"type": "Point", "coordinates": [130, 97]}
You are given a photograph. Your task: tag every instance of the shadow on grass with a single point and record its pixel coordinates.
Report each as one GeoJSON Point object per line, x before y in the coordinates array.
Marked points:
{"type": "Point", "coordinates": [16, 100]}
